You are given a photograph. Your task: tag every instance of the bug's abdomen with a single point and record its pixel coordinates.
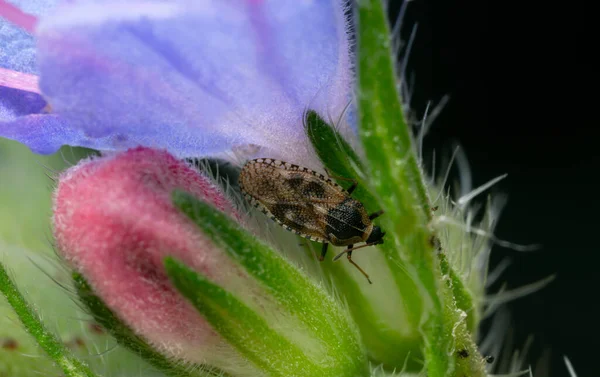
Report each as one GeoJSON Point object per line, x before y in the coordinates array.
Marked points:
{"type": "Point", "coordinates": [348, 222]}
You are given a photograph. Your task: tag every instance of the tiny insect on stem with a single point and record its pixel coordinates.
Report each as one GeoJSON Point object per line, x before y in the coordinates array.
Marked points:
{"type": "Point", "coordinates": [311, 205]}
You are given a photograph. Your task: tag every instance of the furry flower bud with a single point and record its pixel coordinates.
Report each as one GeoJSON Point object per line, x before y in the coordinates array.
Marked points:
{"type": "Point", "coordinates": [116, 223]}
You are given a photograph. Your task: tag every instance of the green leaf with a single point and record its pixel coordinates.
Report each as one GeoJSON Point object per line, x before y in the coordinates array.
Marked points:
{"type": "Point", "coordinates": [127, 338]}
{"type": "Point", "coordinates": [71, 366]}
{"type": "Point", "coordinates": [307, 306]}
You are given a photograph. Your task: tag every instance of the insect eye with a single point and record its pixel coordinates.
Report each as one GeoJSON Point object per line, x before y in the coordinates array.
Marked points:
{"type": "Point", "coordinates": [376, 236]}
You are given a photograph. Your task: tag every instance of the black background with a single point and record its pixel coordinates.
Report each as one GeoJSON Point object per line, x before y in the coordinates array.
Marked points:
{"type": "Point", "coordinates": [523, 103]}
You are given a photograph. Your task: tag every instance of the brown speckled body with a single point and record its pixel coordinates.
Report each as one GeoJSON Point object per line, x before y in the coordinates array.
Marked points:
{"type": "Point", "coordinates": [305, 202]}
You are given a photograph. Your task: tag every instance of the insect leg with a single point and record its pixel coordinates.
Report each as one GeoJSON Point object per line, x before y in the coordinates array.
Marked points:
{"type": "Point", "coordinates": [354, 181]}
{"type": "Point", "coordinates": [323, 252]}
{"type": "Point", "coordinates": [375, 215]}
{"type": "Point", "coordinates": [349, 255]}
{"type": "Point", "coordinates": [351, 248]}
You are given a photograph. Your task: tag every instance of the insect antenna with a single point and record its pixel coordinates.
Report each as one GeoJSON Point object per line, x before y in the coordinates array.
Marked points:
{"type": "Point", "coordinates": [350, 189]}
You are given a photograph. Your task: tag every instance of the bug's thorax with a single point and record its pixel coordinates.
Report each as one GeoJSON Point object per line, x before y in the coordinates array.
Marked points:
{"type": "Point", "coordinates": [348, 223]}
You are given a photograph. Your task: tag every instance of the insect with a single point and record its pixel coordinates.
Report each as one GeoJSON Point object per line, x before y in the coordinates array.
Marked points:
{"type": "Point", "coordinates": [310, 205]}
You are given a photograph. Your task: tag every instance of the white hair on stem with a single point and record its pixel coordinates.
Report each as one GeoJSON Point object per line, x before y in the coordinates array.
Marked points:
{"type": "Point", "coordinates": [494, 301]}
{"type": "Point", "coordinates": [569, 366]}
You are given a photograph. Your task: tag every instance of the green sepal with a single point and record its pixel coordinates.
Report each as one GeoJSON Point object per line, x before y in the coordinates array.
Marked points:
{"type": "Point", "coordinates": [367, 307]}
{"type": "Point", "coordinates": [127, 338]}
{"type": "Point", "coordinates": [322, 317]}
{"type": "Point", "coordinates": [338, 157]}
{"type": "Point", "coordinates": [50, 343]}
{"type": "Point", "coordinates": [239, 325]}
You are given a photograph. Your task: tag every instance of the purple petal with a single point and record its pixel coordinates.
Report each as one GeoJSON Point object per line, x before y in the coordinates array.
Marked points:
{"type": "Point", "coordinates": [196, 78]}
{"type": "Point", "coordinates": [39, 132]}
{"type": "Point", "coordinates": [45, 133]}
{"type": "Point", "coordinates": [19, 95]}
{"type": "Point", "coordinates": [16, 103]}
{"type": "Point", "coordinates": [34, 7]}
{"type": "Point", "coordinates": [17, 20]}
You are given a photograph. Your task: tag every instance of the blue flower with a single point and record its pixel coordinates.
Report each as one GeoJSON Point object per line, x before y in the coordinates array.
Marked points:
{"type": "Point", "coordinates": [234, 79]}
{"type": "Point", "coordinates": [199, 78]}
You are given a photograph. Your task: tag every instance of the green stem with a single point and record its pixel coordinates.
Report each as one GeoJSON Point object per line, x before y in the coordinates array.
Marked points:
{"type": "Point", "coordinates": [464, 299]}
{"type": "Point", "coordinates": [383, 129]}
{"type": "Point", "coordinates": [71, 366]}
{"type": "Point", "coordinates": [398, 184]}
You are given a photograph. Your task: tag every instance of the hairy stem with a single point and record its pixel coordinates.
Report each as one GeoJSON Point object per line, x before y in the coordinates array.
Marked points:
{"type": "Point", "coordinates": [71, 366]}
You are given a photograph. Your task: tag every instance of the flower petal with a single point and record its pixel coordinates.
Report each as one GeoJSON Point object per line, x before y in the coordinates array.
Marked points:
{"type": "Point", "coordinates": [196, 78]}
{"type": "Point", "coordinates": [18, 45]}
{"type": "Point", "coordinates": [46, 133]}
{"type": "Point", "coordinates": [15, 103]}
{"type": "Point", "coordinates": [19, 95]}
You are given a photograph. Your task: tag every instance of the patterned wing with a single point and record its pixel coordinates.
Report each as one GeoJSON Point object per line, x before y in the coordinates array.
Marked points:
{"type": "Point", "coordinates": [297, 198]}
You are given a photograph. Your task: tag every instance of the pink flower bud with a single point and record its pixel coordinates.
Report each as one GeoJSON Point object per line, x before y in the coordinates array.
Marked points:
{"type": "Point", "coordinates": [114, 223]}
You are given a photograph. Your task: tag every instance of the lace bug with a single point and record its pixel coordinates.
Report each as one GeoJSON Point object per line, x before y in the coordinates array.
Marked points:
{"type": "Point", "coordinates": [310, 205]}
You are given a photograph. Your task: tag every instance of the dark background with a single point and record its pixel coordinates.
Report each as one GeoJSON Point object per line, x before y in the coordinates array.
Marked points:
{"type": "Point", "coordinates": [522, 103]}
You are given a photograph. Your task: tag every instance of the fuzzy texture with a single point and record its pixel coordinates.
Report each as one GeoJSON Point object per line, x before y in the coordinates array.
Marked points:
{"type": "Point", "coordinates": [196, 78]}
{"type": "Point", "coordinates": [115, 223]}
{"type": "Point", "coordinates": [16, 103]}
{"type": "Point", "coordinates": [19, 93]}
{"type": "Point", "coordinates": [17, 19]}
